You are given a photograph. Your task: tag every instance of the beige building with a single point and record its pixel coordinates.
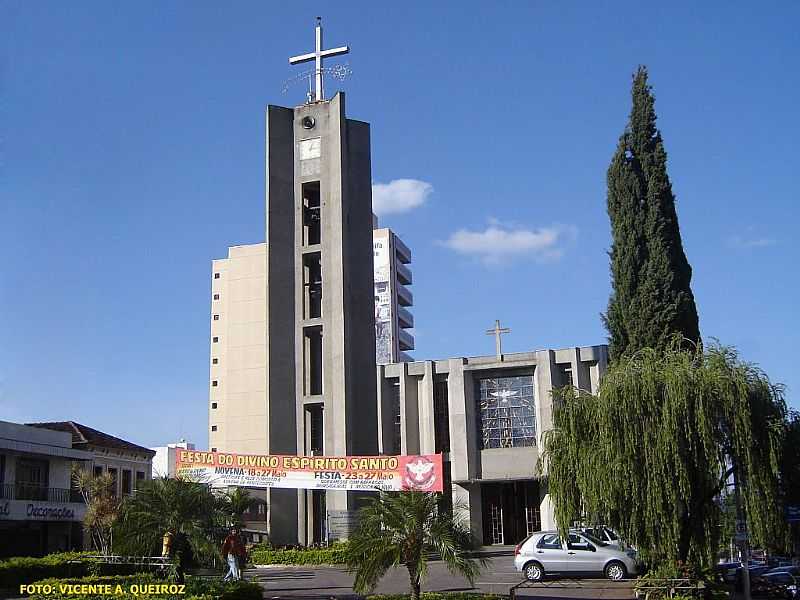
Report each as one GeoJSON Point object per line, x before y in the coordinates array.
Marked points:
{"type": "Point", "coordinates": [238, 369]}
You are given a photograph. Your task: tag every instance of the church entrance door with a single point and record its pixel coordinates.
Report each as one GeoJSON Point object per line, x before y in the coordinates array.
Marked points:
{"type": "Point", "coordinates": [510, 511]}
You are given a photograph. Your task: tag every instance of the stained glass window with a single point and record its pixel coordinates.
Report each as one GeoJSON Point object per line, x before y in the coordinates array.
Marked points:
{"type": "Point", "coordinates": [507, 414]}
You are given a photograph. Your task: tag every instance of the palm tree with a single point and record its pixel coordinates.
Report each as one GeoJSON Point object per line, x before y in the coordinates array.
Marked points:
{"type": "Point", "coordinates": [403, 529]}
{"type": "Point", "coordinates": [188, 511]}
{"type": "Point", "coordinates": [102, 506]}
{"type": "Point", "coordinates": [235, 503]}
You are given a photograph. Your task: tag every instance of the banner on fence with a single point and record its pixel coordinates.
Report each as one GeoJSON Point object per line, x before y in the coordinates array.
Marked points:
{"type": "Point", "coordinates": [368, 473]}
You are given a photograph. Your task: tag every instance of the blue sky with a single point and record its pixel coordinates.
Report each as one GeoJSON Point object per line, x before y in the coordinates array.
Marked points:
{"type": "Point", "coordinates": [132, 152]}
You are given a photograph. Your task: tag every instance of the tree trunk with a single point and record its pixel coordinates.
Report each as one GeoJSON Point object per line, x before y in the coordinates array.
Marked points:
{"type": "Point", "coordinates": [685, 540]}
{"type": "Point", "coordinates": [685, 533]}
{"type": "Point", "coordinates": [413, 577]}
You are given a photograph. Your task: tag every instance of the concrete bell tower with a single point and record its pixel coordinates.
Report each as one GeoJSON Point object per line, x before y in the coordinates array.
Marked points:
{"type": "Point", "coordinates": [321, 385]}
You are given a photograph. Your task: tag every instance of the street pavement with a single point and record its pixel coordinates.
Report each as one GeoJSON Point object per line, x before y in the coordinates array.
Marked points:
{"type": "Point", "coordinates": [317, 582]}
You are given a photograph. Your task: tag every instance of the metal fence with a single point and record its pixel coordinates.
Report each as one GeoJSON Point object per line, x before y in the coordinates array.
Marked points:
{"type": "Point", "coordinates": [667, 588]}
{"type": "Point", "coordinates": [565, 584]}
{"type": "Point", "coordinates": [29, 491]}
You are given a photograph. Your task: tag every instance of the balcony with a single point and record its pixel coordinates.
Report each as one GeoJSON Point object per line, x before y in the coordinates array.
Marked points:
{"type": "Point", "coordinates": [404, 297]}
{"type": "Point", "coordinates": [405, 318]}
{"type": "Point", "coordinates": [406, 340]}
{"type": "Point", "coordinates": [28, 491]}
{"type": "Point", "coordinates": [402, 251]}
{"type": "Point", "coordinates": [403, 273]}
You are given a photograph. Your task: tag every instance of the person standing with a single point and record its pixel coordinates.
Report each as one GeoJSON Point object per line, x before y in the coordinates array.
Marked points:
{"type": "Point", "coordinates": [233, 550]}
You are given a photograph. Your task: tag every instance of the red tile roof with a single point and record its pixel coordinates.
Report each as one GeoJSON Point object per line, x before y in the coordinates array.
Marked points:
{"type": "Point", "coordinates": [83, 435]}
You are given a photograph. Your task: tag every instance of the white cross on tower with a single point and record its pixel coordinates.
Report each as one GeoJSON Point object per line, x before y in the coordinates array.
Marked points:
{"type": "Point", "coordinates": [497, 332]}
{"type": "Point", "coordinates": [317, 57]}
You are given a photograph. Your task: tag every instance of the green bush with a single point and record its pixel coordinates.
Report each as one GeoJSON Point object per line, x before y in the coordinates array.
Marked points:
{"type": "Point", "coordinates": [196, 589]}
{"type": "Point", "coordinates": [223, 590]}
{"type": "Point", "coordinates": [438, 596]}
{"type": "Point", "coordinates": [332, 555]}
{"type": "Point", "coordinates": [25, 569]}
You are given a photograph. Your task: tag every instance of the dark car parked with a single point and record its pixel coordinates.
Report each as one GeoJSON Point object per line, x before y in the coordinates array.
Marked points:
{"type": "Point", "coordinates": [778, 584]}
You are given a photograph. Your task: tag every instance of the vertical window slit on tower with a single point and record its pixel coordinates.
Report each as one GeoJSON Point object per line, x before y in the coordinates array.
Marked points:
{"type": "Point", "coordinates": [312, 208]}
{"type": "Point", "coordinates": [312, 367]}
{"type": "Point", "coordinates": [312, 285]}
{"type": "Point", "coordinates": [441, 417]}
{"type": "Point", "coordinates": [314, 422]}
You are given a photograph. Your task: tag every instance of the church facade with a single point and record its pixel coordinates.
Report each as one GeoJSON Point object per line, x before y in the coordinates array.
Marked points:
{"type": "Point", "coordinates": [487, 415]}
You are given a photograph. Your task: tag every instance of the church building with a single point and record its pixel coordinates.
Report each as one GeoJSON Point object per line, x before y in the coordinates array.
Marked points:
{"type": "Point", "coordinates": [293, 346]}
{"type": "Point", "coordinates": [486, 414]}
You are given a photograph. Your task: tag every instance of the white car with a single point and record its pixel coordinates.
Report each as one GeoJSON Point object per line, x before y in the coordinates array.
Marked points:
{"type": "Point", "coordinates": [607, 535]}
{"type": "Point", "coordinates": [545, 552]}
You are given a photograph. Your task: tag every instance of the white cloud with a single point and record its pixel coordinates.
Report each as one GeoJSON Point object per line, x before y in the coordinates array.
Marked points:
{"type": "Point", "coordinates": [504, 241]}
{"type": "Point", "coordinates": [755, 242]}
{"type": "Point", "coordinates": [399, 196]}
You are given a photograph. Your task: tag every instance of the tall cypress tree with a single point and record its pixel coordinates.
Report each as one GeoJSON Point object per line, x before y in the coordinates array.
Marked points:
{"type": "Point", "coordinates": [651, 298]}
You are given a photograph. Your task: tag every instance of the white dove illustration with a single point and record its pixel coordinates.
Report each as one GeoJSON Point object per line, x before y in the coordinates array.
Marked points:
{"type": "Point", "coordinates": [419, 469]}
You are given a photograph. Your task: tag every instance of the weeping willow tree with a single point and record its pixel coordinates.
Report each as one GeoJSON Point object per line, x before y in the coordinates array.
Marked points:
{"type": "Point", "coordinates": [652, 452]}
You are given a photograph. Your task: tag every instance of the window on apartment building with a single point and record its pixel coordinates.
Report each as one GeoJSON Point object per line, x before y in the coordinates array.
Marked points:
{"type": "Point", "coordinates": [213, 405]}
{"type": "Point", "coordinates": [213, 449]}
{"type": "Point", "coordinates": [216, 275]}
{"type": "Point", "coordinates": [127, 482]}
{"type": "Point", "coordinates": [213, 428]}
{"type": "Point", "coordinates": [564, 375]}
{"type": "Point", "coordinates": [214, 361]}
{"type": "Point", "coordinates": [214, 383]}
{"type": "Point", "coordinates": [216, 296]}
{"type": "Point", "coordinates": [139, 475]}
{"type": "Point", "coordinates": [441, 417]}
{"type": "Point", "coordinates": [113, 472]}
{"type": "Point", "coordinates": [312, 217]}
{"type": "Point", "coordinates": [215, 339]}
{"type": "Point", "coordinates": [506, 411]}
{"type": "Point", "coordinates": [312, 361]}
{"type": "Point", "coordinates": [216, 317]}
